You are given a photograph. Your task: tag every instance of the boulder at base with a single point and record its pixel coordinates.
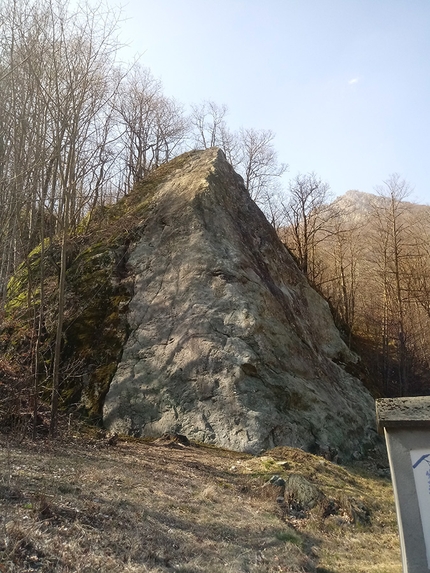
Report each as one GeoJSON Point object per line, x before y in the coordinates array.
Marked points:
{"type": "Point", "coordinates": [228, 343]}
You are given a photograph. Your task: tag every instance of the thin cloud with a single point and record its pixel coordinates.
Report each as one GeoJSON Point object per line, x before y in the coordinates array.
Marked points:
{"type": "Point", "coordinates": [353, 81]}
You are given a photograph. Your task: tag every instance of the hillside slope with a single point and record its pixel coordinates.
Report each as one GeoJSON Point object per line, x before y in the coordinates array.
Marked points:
{"type": "Point", "coordinates": [157, 507]}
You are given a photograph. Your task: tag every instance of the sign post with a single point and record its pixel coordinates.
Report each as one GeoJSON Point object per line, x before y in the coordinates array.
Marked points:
{"type": "Point", "coordinates": [406, 425]}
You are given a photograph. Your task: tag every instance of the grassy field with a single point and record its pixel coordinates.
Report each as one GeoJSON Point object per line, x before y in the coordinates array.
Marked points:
{"type": "Point", "coordinates": [84, 505]}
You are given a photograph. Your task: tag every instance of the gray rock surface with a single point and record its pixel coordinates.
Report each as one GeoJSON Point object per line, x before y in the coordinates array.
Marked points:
{"type": "Point", "coordinates": [229, 344]}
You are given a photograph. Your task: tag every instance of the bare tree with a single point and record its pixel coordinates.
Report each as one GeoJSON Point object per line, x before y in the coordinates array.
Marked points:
{"type": "Point", "coordinates": [258, 164]}
{"type": "Point", "coordinates": [153, 127]}
{"type": "Point", "coordinates": [249, 151]}
{"type": "Point", "coordinates": [57, 84]}
{"type": "Point", "coordinates": [82, 49]}
{"type": "Point", "coordinates": [42, 47]}
{"type": "Point", "coordinates": [307, 215]}
{"type": "Point", "coordinates": [392, 232]}
{"type": "Point", "coordinates": [209, 125]}
{"type": "Point", "coordinates": [340, 255]}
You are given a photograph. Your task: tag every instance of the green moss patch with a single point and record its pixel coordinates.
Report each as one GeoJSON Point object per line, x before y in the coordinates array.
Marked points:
{"type": "Point", "coordinates": [99, 286]}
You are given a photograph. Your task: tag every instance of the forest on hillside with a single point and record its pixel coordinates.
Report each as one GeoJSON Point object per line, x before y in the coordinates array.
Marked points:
{"type": "Point", "coordinates": [369, 255]}
{"type": "Point", "coordinates": [79, 129]}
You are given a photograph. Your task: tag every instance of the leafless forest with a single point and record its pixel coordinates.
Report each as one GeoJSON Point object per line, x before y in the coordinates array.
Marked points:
{"type": "Point", "coordinates": [79, 128]}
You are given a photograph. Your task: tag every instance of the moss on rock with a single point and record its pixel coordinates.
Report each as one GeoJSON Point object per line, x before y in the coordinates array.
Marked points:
{"type": "Point", "coordinates": [98, 288]}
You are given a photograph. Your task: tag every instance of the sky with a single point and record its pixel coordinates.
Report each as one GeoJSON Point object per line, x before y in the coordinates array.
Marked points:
{"type": "Point", "coordinates": [344, 84]}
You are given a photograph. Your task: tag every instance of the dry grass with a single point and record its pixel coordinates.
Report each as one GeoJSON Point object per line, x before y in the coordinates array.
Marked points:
{"type": "Point", "coordinates": [83, 506]}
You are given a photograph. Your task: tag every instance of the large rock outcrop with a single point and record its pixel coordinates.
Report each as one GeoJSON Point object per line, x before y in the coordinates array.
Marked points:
{"type": "Point", "coordinates": [229, 344]}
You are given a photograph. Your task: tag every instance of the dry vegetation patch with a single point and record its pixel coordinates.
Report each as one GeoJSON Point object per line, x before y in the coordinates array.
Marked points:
{"type": "Point", "coordinates": [87, 506]}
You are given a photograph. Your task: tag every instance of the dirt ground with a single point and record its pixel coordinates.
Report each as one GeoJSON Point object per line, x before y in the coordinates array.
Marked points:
{"type": "Point", "coordinates": [120, 505]}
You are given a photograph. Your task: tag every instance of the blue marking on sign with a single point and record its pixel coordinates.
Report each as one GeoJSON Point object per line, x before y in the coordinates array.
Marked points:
{"type": "Point", "coordinates": [422, 458]}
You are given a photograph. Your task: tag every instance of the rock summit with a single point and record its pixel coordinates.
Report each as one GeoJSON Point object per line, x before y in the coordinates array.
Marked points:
{"type": "Point", "coordinates": [228, 343]}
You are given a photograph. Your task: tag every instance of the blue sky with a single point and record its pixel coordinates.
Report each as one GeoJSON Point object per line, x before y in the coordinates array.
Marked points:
{"type": "Point", "coordinates": [344, 84]}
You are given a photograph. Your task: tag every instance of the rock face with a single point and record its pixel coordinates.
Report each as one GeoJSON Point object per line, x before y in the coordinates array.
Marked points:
{"type": "Point", "coordinates": [229, 344]}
